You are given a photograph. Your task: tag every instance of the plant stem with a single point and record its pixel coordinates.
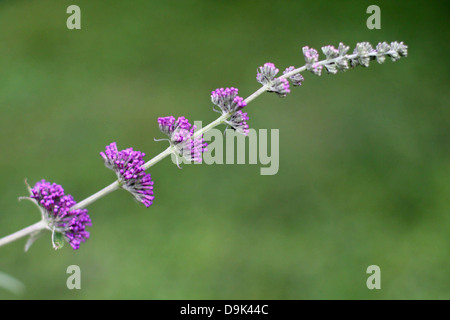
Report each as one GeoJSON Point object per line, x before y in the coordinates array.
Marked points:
{"type": "Point", "coordinates": [158, 158]}
{"type": "Point", "coordinates": [82, 204]}
{"type": "Point", "coordinates": [38, 226]}
{"type": "Point", "coordinates": [213, 124]}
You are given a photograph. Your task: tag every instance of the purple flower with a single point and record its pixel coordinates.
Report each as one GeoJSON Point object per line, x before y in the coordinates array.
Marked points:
{"type": "Point", "coordinates": [180, 133]}
{"type": "Point", "coordinates": [330, 52]}
{"type": "Point", "coordinates": [238, 122]}
{"type": "Point", "coordinates": [167, 124]}
{"type": "Point", "coordinates": [331, 64]}
{"type": "Point", "coordinates": [128, 166]}
{"type": "Point", "coordinates": [229, 102]}
{"type": "Point", "coordinates": [267, 77]}
{"type": "Point", "coordinates": [312, 59]}
{"type": "Point", "coordinates": [280, 86]}
{"type": "Point", "coordinates": [296, 79]}
{"type": "Point", "coordinates": [55, 209]}
{"type": "Point", "coordinates": [266, 73]}
{"type": "Point", "coordinates": [227, 99]}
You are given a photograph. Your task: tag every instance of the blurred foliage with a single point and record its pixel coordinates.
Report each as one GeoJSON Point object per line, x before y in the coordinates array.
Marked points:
{"type": "Point", "coordinates": [364, 157]}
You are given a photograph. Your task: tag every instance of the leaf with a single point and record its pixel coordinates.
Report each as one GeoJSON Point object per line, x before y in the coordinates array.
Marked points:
{"type": "Point", "coordinates": [57, 240]}
{"type": "Point", "coordinates": [10, 283]}
{"type": "Point", "coordinates": [33, 237]}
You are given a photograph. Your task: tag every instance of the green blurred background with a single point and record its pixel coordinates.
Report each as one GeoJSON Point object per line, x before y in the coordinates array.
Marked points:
{"type": "Point", "coordinates": [364, 161]}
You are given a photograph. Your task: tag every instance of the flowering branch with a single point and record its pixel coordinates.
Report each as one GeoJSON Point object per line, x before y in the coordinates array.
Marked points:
{"type": "Point", "coordinates": [67, 220]}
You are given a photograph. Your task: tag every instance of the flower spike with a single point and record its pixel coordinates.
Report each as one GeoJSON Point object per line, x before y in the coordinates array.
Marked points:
{"type": "Point", "coordinates": [128, 166]}
{"type": "Point", "coordinates": [55, 206]}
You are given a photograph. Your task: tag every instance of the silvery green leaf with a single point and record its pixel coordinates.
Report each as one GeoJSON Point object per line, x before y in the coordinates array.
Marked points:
{"type": "Point", "coordinates": [342, 64]}
{"type": "Point", "coordinates": [343, 49]}
{"type": "Point", "coordinates": [330, 52]}
{"type": "Point", "coordinates": [11, 284]}
{"type": "Point", "coordinates": [57, 240]}
{"type": "Point", "coordinates": [331, 68]}
{"type": "Point", "coordinates": [382, 48]}
{"type": "Point", "coordinates": [33, 237]}
{"type": "Point", "coordinates": [400, 50]}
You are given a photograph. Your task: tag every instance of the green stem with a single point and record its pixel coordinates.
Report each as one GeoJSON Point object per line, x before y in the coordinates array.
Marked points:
{"type": "Point", "coordinates": [38, 226]}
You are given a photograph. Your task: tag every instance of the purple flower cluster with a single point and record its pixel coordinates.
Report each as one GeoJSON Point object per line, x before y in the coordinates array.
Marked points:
{"type": "Point", "coordinates": [266, 73]}
{"type": "Point", "coordinates": [180, 133]}
{"type": "Point", "coordinates": [128, 166]}
{"type": "Point", "coordinates": [296, 79]}
{"type": "Point", "coordinates": [56, 208]}
{"type": "Point", "coordinates": [239, 122]}
{"type": "Point", "coordinates": [228, 101]}
{"type": "Point", "coordinates": [311, 58]}
{"type": "Point", "coordinates": [281, 87]}
{"type": "Point", "coordinates": [266, 76]}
